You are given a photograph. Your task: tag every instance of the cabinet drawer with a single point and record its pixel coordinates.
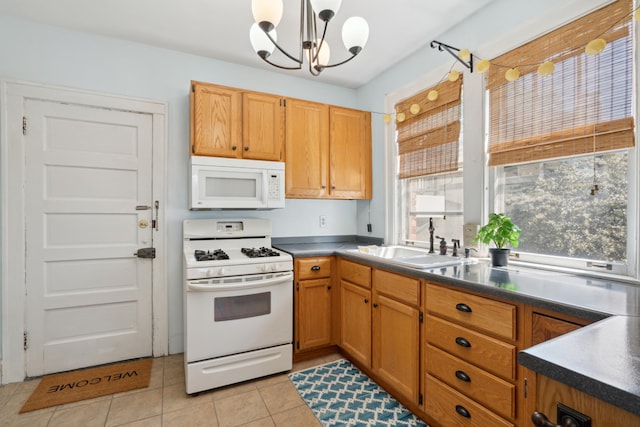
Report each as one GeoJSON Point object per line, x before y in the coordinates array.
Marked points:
{"type": "Point", "coordinates": [402, 288]}
{"type": "Point", "coordinates": [312, 268]}
{"type": "Point", "coordinates": [452, 408]}
{"type": "Point", "coordinates": [355, 273]}
{"type": "Point", "coordinates": [488, 353]}
{"type": "Point", "coordinates": [489, 390]}
{"type": "Point", "coordinates": [495, 317]}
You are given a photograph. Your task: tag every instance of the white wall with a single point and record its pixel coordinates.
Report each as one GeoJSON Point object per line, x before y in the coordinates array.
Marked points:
{"type": "Point", "coordinates": [38, 53]}
{"type": "Point", "coordinates": [43, 54]}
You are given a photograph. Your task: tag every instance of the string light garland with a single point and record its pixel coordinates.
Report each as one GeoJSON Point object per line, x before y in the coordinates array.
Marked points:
{"type": "Point", "coordinates": [467, 58]}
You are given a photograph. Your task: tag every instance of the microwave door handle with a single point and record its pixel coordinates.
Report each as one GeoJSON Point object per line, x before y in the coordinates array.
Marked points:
{"type": "Point", "coordinates": [241, 285]}
{"type": "Point", "coordinates": [265, 188]}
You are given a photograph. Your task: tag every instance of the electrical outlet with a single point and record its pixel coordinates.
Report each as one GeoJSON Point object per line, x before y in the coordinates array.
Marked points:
{"type": "Point", "coordinates": [565, 414]}
{"type": "Point", "coordinates": [323, 221]}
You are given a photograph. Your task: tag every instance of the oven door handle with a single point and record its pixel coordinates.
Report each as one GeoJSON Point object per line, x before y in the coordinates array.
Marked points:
{"type": "Point", "coordinates": [241, 285]}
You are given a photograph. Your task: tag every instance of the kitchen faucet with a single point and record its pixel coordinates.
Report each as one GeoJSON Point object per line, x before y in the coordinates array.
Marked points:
{"type": "Point", "coordinates": [431, 230]}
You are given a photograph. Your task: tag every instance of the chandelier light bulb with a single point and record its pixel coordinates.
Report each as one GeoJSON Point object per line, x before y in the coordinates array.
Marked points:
{"type": "Point", "coordinates": [512, 74]}
{"type": "Point", "coordinates": [546, 68]}
{"type": "Point", "coordinates": [595, 46]}
{"type": "Point", "coordinates": [326, 9]}
{"type": "Point", "coordinates": [483, 66]}
{"type": "Point", "coordinates": [267, 13]}
{"type": "Point", "coordinates": [453, 75]}
{"type": "Point", "coordinates": [464, 54]}
{"type": "Point", "coordinates": [355, 33]}
{"type": "Point", "coordinates": [324, 53]}
{"type": "Point", "coordinates": [260, 42]}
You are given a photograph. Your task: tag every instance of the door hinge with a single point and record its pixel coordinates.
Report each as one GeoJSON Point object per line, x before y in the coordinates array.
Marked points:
{"type": "Point", "coordinates": [297, 345]}
{"type": "Point", "coordinates": [297, 286]}
{"type": "Point", "coordinates": [24, 125]}
{"type": "Point", "coordinates": [526, 387]}
{"type": "Point", "coordinates": [420, 399]}
{"type": "Point", "coordinates": [25, 342]}
{"type": "Point", "coordinates": [421, 317]}
{"type": "Point", "coordinates": [193, 88]}
{"type": "Point", "coordinates": [193, 149]}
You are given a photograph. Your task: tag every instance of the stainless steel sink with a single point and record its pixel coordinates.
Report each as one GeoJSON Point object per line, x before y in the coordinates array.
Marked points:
{"type": "Point", "coordinates": [410, 257]}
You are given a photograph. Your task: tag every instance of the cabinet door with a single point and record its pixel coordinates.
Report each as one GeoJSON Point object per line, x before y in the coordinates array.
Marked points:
{"type": "Point", "coordinates": [313, 304]}
{"type": "Point", "coordinates": [395, 345]}
{"type": "Point", "coordinates": [545, 328]}
{"type": "Point", "coordinates": [216, 121]}
{"type": "Point", "coordinates": [350, 153]}
{"type": "Point", "coordinates": [355, 325]}
{"type": "Point", "coordinates": [307, 148]}
{"type": "Point", "coordinates": [262, 126]}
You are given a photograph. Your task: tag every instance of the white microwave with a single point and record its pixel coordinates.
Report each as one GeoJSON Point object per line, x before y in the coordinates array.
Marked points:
{"type": "Point", "coordinates": [224, 183]}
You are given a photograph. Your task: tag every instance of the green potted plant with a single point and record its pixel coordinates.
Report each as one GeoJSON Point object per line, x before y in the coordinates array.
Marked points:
{"type": "Point", "coordinates": [501, 231]}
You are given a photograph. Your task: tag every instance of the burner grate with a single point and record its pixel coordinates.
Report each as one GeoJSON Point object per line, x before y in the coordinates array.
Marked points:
{"type": "Point", "coordinates": [259, 252]}
{"type": "Point", "coordinates": [217, 254]}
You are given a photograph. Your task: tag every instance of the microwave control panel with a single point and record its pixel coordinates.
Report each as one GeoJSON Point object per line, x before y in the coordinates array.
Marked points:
{"type": "Point", "coordinates": [275, 190]}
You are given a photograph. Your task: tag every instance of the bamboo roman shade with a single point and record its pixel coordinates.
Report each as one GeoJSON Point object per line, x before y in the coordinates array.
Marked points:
{"type": "Point", "coordinates": [428, 139]}
{"type": "Point", "coordinates": [584, 106]}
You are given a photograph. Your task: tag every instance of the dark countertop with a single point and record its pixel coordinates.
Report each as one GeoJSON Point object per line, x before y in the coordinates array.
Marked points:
{"type": "Point", "coordinates": [610, 367]}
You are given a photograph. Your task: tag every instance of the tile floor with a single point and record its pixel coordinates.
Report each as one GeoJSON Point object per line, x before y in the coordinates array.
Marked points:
{"type": "Point", "coordinates": [270, 401]}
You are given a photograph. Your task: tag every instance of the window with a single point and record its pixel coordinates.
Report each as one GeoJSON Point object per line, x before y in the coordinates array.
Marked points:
{"type": "Point", "coordinates": [429, 168]}
{"type": "Point", "coordinates": [560, 144]}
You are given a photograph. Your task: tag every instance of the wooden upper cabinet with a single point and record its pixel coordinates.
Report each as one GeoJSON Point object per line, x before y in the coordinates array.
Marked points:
{"type": "Point", "coordinates": [350, 153]}
{"type": "Point", "coordinates": [328, 151]}
{"type": "Point", "coordinates": [216, 129]}
{"type": "Point", "coordinates": [307, 136]}
{"type": "Point", "coordinates": [262, 126]}
{"type": "Point", "coordinates": [228, 122]}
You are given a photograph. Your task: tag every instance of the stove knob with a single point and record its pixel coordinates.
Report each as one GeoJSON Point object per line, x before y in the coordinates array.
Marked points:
{"type": "Point", "coordinates": [211, 272]}
{"type": "Point", "coordinates": [222, 271]}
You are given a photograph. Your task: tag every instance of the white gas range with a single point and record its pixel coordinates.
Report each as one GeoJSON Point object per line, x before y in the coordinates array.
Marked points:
{"type": "Point", "coordinates": [238, 303]}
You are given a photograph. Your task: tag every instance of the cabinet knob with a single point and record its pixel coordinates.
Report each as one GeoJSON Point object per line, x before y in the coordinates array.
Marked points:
{"type": "Point", "coordinates": [324, 187]}
{"type": "Point", "coordinates": [463, 411]}
{"type": "Point", "coordinates": [233, 148]}
{"type": "Point", "coordinates": [375, 305]}
{"type": "Point", "coordinates": [246, 148]}
{"type": "Point", "coordinates": [333, 187]}
{"type": "Point", "coordinates": [329, 287]}
{"type": "Point", "coordinates": [463, 342]}
{"type": "Point", "coordinates": [463, 307]}
{"type": "Point", "coordinates": [462, 376]}
{"type": "Point", "coordinates": [366, 301]}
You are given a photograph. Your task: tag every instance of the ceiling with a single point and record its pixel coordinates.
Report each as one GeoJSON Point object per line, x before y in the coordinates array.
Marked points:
{"type": "Point", "coordinates": [220, 28]}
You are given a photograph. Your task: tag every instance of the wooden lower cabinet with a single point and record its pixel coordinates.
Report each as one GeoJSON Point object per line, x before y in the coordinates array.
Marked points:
{"type": "Point", "coordinates": [355, 325]}
{"type": "Point", "coordinates": [314, 304]}
{"type": "Point", "coordinates": [314, 313]}
{"type": "Point", "coordinates": [602, 414]}
{"type": "Point", "coordinates": [396, 335]}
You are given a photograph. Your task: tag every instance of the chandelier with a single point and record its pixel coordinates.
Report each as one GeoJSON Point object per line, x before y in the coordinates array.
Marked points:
{"type": "Point", "coordinates": [315, 50]}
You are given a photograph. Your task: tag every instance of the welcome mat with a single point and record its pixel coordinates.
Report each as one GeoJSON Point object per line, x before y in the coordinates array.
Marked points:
{"type": "Point", "coordinates": [339, 394]}
{"type": "Point", "coordinates": [84, 384]}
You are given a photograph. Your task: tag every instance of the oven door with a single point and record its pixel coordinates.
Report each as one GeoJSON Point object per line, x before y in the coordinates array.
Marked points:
{"type": "Point", "coordinates": [236, 314]}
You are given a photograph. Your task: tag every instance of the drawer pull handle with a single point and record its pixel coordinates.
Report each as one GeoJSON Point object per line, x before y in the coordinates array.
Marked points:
{"type": "Point", "coordinates": [462, 376]}
{"type": "Point", "coordinates": [315, 268]}
{"type": "Point", "coordinates": [463, 307]}
{"type": "Point", "coordinates": [463, 411]}
{"type": "Point", "coordinates": [463, 342]}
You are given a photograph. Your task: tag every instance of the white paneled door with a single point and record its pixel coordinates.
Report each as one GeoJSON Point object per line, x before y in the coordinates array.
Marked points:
{"type": "Point", "coordinates": [89, 208]}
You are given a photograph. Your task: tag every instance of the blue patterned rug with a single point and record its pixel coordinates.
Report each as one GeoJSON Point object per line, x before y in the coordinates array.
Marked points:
{"type": "Point", "coordinates": [339, 394]}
